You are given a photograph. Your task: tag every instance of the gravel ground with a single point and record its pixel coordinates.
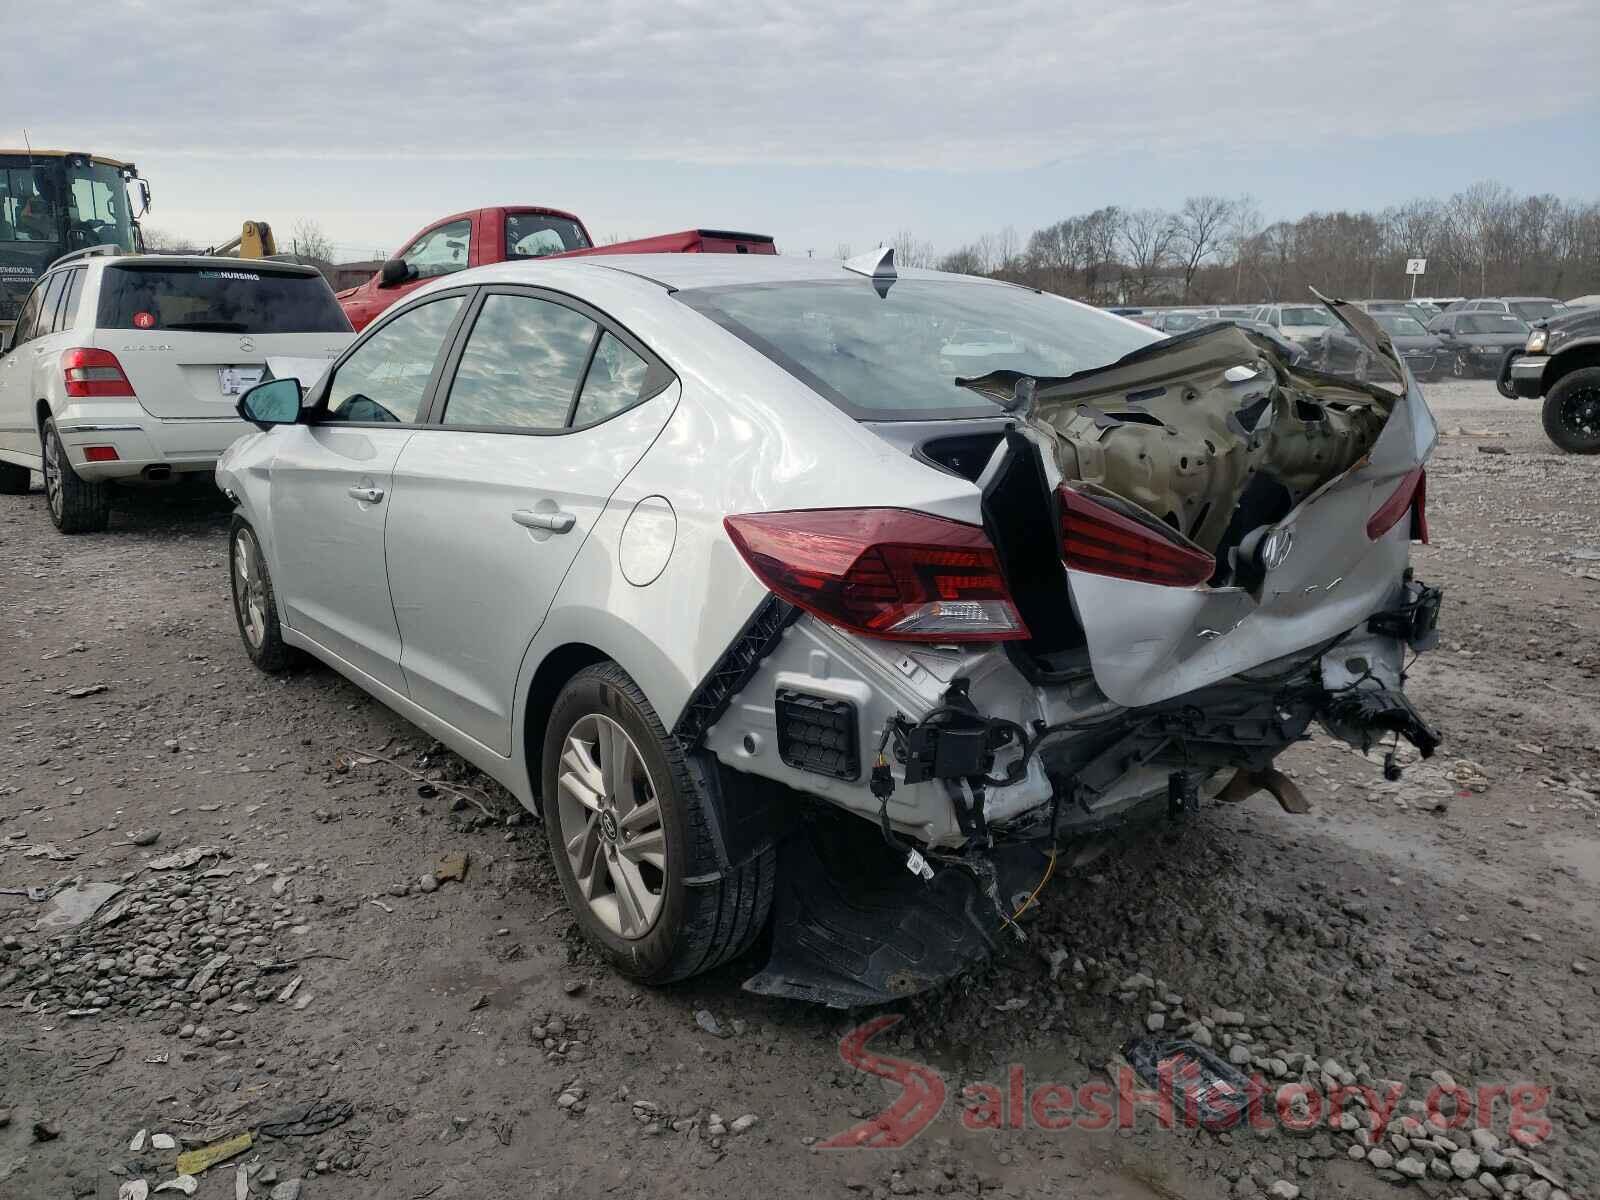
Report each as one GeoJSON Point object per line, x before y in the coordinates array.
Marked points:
{"type": "Point", "coordinates": [275, 955]}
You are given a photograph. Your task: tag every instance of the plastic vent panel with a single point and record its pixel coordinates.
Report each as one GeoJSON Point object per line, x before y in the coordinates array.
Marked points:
{"type": "Point", "coordinates": [817, 734]}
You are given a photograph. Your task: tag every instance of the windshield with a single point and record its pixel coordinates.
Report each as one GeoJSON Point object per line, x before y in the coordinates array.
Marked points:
{"type": "Point", "coordinates": [534, 235]}
{"type": "Point", "coordinates": [218, 300]}
{"type": "Point", "coordinates": [1535, 310]}
{"type": "Point", "coordinates": [896, 357]}
{"type": "Point", "coordinates": [1177, 322]}
{"type": "Point", "coordinates": [1399, 326]}
{"type": "Point", "coordinates": [97, 208]}
{"type": "Point", "coordinates": [1308, 316]}
{"type": "Point", "coordinates": [1492, 323]}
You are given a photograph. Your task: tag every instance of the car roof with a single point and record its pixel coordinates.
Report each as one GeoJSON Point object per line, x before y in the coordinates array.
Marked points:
{"type": "Point", "coordinates": [193, 260]}
{"type": "Point", "coordinates": [685, 271]}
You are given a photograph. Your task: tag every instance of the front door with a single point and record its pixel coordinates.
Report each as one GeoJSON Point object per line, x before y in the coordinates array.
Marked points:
{"type": "Point", "coordinates": [332, 489]}
{"type": "Point", "coordinates": [548, 410]}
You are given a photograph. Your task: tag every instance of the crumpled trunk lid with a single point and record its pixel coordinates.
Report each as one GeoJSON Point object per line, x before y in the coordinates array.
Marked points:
{"type": "Point", "coordinates": [1213, 436]}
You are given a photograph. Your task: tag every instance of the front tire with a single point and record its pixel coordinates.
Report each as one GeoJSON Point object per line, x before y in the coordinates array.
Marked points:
{"type": "Point", "coordinates": [255, 605]}
{"type": "Point", "coordinates": [1572, 412]}
{"type": "Point", "coordinates": [76, 505]}
{"type": "Point", "coordinates": [629, 832]}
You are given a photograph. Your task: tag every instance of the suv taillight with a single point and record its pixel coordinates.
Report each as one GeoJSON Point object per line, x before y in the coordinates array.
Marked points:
{"type": "Point", "coordinates": [1097, 538]}
{"type": "Point", "coordinates": [93, 372]}
{"type": "Point", "coordinates": [1411, 496]}
{"type": "Point", "coordinates": [883, 572]}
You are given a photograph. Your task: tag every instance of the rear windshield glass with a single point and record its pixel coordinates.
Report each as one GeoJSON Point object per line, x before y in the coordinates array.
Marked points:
{"type": "Point", "coordinates": [1308, 316]}
{"type": "Point", "coordinates": [1491, 323]}
{"type": "Point", "coordinates": [1398, 325]}
{"type": "Point", "coordinates": [533, 235]}
{"type": "Point", "coordinates": [1535, 310]}
{"type": "Point", "coordinates": [897, 357]}
{"type": "Point", "coordinates": [220, 299]}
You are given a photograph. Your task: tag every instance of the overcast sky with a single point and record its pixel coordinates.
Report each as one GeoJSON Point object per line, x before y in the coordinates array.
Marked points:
{"type": "Point", "coordinates": [820, 122]}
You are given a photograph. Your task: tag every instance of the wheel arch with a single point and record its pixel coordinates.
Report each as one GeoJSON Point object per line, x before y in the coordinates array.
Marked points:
{"type": "Point", "coordinates": [1568, 360]}
{"type": "Point", "coordinates": [553, 672]}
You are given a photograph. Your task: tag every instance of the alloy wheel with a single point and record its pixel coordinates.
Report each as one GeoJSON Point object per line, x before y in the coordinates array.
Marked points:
{"type": "Point", "coordinates": [249, 593]}
{"type": "Point", "coordinates": [52, 473]}
{"type": "Point", "coordinates": [1580, 411]}
{"type": "Point", "coordinates": [611, 826]}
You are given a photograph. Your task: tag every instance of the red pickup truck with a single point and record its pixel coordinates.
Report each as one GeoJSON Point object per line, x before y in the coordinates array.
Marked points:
{"type": "Point", "coordinates": [491, 235]}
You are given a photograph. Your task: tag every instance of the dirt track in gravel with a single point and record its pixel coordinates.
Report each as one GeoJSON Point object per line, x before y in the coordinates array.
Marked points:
{"type": "Point", "coordinates": [1429, 924]}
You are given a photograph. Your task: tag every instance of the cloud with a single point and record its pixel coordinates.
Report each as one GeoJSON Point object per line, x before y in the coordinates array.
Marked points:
{"type": "Point", "coordinates": [934, 83]}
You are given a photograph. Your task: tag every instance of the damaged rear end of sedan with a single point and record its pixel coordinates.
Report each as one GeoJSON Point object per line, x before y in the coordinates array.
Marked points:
{"type": "Point", "coordinates": [1185, 559]}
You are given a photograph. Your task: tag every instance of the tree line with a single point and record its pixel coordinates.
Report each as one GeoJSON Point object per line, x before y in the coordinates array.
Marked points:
{"type": "Point", "coordinates": [1484, 241]}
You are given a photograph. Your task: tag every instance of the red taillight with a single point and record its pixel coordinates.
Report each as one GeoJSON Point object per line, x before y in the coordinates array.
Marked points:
{"type": "Point", "coordinates": [99, 454]}
{"type": "Point", "coordinates": [883, 572]}
{"type": "Point", "coordinates": [1100, 539]}
{"type": "Point", "coordinates": [94, 372]}
{"type": "Point", "coordinates": [1409, 497]}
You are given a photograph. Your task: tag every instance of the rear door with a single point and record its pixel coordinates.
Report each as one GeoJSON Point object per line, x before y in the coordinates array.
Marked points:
{"type": "Point", "coordinates": [18, 433]}
{"type": "Point", "coordinates": [192, 336]}
{"type": "Point", "coordinates": [332, 480]}
{"type": "Point", "coordinates": [548, 406]}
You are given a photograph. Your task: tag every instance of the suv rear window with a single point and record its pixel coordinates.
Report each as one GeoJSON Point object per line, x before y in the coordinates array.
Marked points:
{"type": "Point", "coordinates": [219, 299]}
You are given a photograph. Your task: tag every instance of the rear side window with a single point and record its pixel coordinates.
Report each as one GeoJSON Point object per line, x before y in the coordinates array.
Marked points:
{"type": "Point", "coordinates": [52, 297]}
{"type": "Point", "coordinates": [69, 303]}
{"type": "Point", "coordinates": [521, 365]}
{"type": "Point", "coordinates": [219, 299]}
{"type": "Point", "coordinates": [615, 382]}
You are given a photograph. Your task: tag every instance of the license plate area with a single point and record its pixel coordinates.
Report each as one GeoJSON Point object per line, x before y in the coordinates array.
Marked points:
{"type": "Point", "coordinates": [235, 381]}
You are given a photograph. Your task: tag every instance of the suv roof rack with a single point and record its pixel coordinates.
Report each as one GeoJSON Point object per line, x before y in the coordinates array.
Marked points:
{"type": "Point", "coordinates": [88, 252]}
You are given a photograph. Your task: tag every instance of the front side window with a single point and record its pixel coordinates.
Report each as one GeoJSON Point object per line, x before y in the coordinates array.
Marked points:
{"type": "Point", "coordinates": [386, 377]}
{"type": "Point", "coordinates": [534, 235]}
{"type": "Point", "coordinates": [521, 365]}
{"type": "Point", "coordinates": [440, 251]}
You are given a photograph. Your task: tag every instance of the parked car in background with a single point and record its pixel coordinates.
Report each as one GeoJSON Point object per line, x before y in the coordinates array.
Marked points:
{"type": "Point", "coordinates": [771, 618]}
{"type": "Point", "coordinates": [125, 369]}
{"type": "Point", "coordinates": [491, 235]}
{"type": "Point", "coordinates": [1424, 353]}
{"type": "Point", "coordinates": [1524, 308]}
{"type": "Point", "coordinates": [1560, 361]}
{"type": "Point", "coordinates": [1294, 353]}
{"type": "Point", "coordinates": [1304, 323]}
{"type": "Point", "coordinates": [1422, 314]}
{"type": "Point", "coordinates": [1177, 320]}
{"type": "Point", "coordinates": [1237, 312]}
{"type": "Point", "coordinates": [1478, 342]}
{"type": "Point", "coordinates": [1590, 301]}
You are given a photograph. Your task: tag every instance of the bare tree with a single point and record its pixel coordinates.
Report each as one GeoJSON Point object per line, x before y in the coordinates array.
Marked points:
{"type": "Point", "coordinates": [309, 241]}
{"type": "Point", "coordinates": [1201, 224]}
{"type": "Point", "coordinates": [909, 251]}
{"type": "Point", "coordinates": [161, 241]}
{"type": "Point", "coordinates": [1146, 235]}
{"type": "Point", "coordinates": [1244, 238]}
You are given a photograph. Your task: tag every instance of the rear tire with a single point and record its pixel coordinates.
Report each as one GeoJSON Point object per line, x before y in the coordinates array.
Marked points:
{"type": "Point", "coordinates": [1572, 412]}
{"type": "Point", "coordinates": [255, 605]}
{"type": "Point", "coordinates": [613, 780]}
{"type": "Point", "coordinates": [13, 480]}
{"type": "Point", "coordinates": [76, 505]}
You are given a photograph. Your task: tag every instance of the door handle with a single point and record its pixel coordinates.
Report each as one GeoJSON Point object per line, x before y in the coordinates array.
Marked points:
{"type": "Point", "coordinates": [554, 522]}
{"type": "Point", "coordinates": [370, 494]}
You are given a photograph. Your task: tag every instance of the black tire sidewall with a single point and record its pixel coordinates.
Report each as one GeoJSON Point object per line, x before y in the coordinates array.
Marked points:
{"type": "Point", "coordinates": [605, 689]}
{"type": "Point", "coordinates": [1555, 427]}
{"type": "Point", "coordinates": [85, 505]}
{"type": "Point", "coordinates": [272, 655]}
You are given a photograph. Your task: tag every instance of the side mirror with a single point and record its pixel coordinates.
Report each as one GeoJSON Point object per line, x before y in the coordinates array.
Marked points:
{"type": "Point", "coordinates": [275, 402]}
{"type": "Point", "coordinates": [393, 272]}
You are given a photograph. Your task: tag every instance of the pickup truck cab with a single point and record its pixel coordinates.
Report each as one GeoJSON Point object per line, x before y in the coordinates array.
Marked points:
{"type": "Point", "coordinates": [506, 234]}
{"type": "Point", "coordinates": [459, 241]}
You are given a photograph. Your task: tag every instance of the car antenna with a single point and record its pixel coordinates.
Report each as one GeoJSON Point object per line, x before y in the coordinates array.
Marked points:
{"type": "Point", "coordinates": [877, 265]}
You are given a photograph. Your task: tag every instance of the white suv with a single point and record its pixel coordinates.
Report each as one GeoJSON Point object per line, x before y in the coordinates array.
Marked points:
{"type": "Point", "coordinates": [125, 368]}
